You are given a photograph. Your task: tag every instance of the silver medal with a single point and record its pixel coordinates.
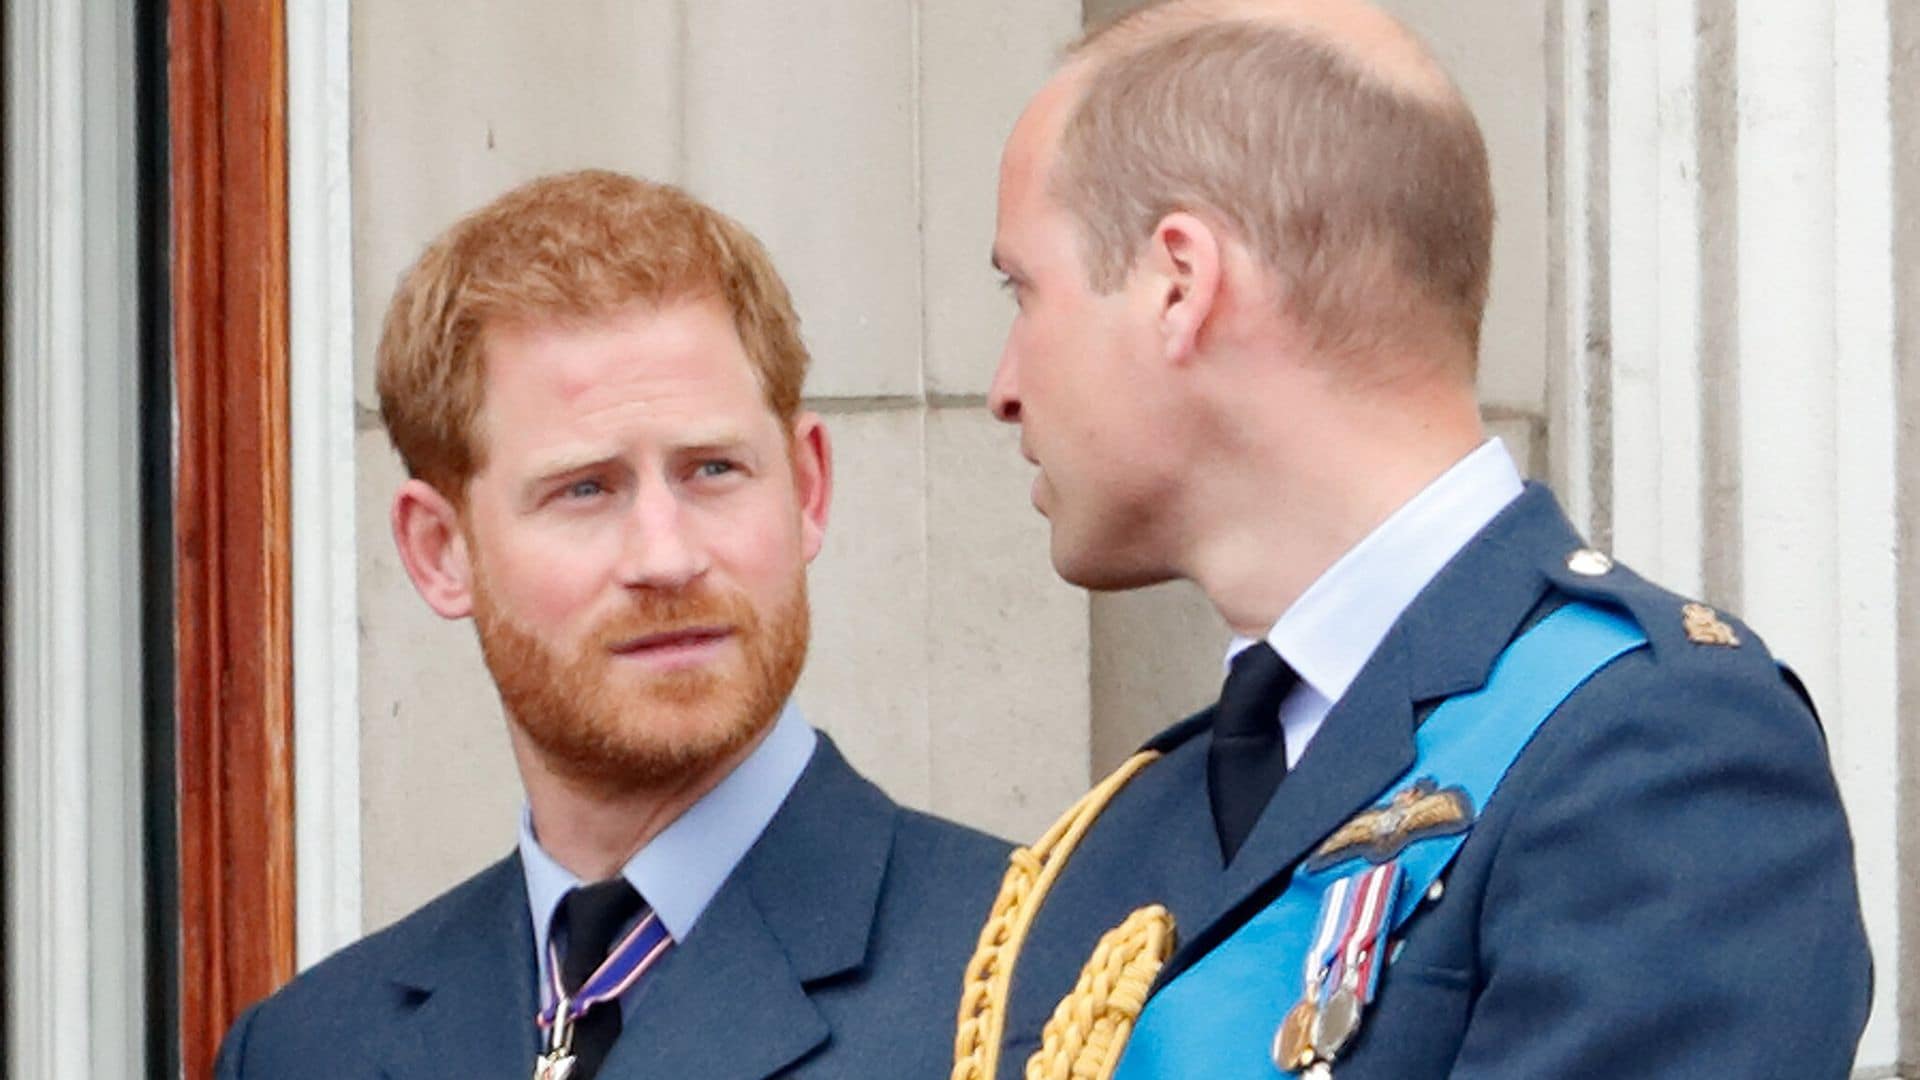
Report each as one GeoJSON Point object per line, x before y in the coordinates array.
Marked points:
{"type": "Point", "coordinates": [557, 1063]}
{"type": "Point", "coordinates": [1336, 1024]}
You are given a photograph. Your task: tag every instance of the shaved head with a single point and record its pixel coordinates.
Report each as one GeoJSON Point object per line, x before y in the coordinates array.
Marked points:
{"type": "Point", "coordinates": [1323, 135]}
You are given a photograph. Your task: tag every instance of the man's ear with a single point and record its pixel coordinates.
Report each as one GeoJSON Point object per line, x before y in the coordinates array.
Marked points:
{"type": "Point", "coordinates": [433, 548]}
{"type": "Point", "coordinates": [812, 480]}
{"type": "Point", "coordinates": [1184, 255]}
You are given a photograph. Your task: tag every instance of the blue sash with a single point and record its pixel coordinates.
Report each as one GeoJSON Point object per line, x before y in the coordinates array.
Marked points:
{"type": "Point", "coordinates": [1218, 1018]}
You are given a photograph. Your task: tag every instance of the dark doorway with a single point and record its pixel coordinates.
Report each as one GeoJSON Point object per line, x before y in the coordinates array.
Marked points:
{"type": "Point", "coordinates": [161, 788]}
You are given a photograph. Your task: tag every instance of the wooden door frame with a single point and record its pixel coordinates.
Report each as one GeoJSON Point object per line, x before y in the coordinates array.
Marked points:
{"type": "Point", "coordinates": [227, 121]}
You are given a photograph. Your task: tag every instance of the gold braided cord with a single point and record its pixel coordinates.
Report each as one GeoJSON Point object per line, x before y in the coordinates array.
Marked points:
{"type": "Point", "coordinates": [1089, 1029]}
{"type": "Point", "coordinates": [1031, 872]}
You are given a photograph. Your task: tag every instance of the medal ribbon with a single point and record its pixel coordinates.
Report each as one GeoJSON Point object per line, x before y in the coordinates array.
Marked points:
{"type": "Point", "coordinates": [1326, 937]}
{"type": "Point", "coordinates": [1204, 1023]}
{"type": "Point", "coordinates": [625, 963]}
{"type": "Point", "coordinates": [1363, 933]}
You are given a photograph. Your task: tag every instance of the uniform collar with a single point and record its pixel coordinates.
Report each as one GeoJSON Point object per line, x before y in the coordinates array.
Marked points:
{"type": "Point", "coordinates": [1335, 626]}
{"type": "Point", "coordinates": [680, 870]}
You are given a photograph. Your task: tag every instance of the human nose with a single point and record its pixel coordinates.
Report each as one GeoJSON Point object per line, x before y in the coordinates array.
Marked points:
{"type": "Point", "coordinates": [658, 549]}
{"type": "Point", "coordinates": [1003, 397]}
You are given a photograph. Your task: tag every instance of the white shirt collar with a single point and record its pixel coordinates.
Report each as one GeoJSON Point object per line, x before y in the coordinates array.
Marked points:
{"type": "Point", "coordinates": [1334, 627]}
{"type": "Point", "coordinates": [680, 870]}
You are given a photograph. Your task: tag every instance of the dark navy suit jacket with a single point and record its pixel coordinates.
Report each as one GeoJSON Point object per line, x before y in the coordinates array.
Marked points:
{"type": "Point", "coordinates": [835, 950]}
{"type": "Point", "coordinates": [1662, 887]}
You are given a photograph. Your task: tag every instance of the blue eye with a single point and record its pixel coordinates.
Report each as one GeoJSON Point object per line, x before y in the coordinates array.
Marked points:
{"type": "Point", "coordinates": [714, 468]}
{"type": "Point", "coordinates": [584, 489]}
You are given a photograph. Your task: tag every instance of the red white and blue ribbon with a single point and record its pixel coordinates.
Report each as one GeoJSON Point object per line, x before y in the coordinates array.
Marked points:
{"type": "Point", "coordinates": [625, 963]}
{"type": "Point", "coordinates": [1361, 941]}
{"type": "Point", "coordinates": [1334, 914]}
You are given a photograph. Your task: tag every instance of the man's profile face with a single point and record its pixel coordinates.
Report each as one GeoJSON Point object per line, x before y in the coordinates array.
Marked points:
{"type": "Point", "coordinates": [1076, 375]}
{"type": "Point", "coordinates": [638, 542]}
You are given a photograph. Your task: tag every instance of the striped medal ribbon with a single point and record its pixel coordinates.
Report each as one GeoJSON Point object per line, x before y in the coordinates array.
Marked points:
{"type": "Point", "coordinates": [1343, 964]}
{"type": "Point", "coordinates": [1354, 974]}
{"type": "Point", "coordinates": [625, 963]}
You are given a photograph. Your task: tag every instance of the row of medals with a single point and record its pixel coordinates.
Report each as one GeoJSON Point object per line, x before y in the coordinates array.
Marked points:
{"type": "Point", "coordinates": [1311, 1036]}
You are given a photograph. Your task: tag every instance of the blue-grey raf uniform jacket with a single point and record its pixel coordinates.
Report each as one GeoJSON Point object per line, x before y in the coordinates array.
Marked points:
{"type": "Point", "coordinates": [834, 950]}
{"type": "Point", "coordinates": [1663, 886]}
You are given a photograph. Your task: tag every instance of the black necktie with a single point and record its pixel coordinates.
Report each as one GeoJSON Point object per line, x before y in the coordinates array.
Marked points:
{"type": "Point", "coordinates": [1249, 754]}
{"type": "Point", "coordinates": [593, 916]}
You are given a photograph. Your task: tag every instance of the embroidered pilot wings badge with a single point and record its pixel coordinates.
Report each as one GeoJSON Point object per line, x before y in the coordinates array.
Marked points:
{"type": "Point", "coordinates": [1416, 812]}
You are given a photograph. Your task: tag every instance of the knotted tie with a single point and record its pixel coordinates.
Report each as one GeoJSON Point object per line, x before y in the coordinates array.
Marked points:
{"type": "Point", "coordinates": [593, 916]}
{"type": "Point", "coordinates": [1248, 758]}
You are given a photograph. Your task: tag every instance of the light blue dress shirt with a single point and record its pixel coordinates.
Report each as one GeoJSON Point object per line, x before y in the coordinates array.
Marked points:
{"type": "Point", "coordinates": [680, 870]}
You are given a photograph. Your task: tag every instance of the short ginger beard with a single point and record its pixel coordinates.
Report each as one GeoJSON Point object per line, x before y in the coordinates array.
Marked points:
{"type": "Point", "coordinates": [609, 738]}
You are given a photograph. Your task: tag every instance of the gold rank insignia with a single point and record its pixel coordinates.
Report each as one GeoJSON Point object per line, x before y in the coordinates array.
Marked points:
{"type": "Point", "coordinates": [1705, 627]}
{"type": "Point", "coordinates": [1415, 812]}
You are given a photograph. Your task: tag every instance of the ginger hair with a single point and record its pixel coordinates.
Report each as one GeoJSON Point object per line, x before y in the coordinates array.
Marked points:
{"type": "Point", "coordinates": [567, 248]}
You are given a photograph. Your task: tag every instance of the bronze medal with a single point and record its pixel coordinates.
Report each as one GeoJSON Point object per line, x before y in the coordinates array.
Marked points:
{"type": "Point", "coordinates": [1293, 1042]}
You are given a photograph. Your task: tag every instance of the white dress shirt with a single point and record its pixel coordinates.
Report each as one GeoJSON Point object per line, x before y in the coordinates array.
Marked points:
{"type": "Point", "coordinates": [1328, 634]}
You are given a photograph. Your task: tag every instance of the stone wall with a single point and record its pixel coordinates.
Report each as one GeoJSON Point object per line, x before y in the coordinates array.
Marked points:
{"type": "Point", "coordinates": [861, 143]}
{"type": "Point", "coordinates": [1700, 331]}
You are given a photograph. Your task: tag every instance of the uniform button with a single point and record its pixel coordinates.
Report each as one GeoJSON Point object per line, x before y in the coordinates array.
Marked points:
{"type": "Point", "coordinates": [1589, 563]}
{"type": "Point", "coordinates": [1435, 891]}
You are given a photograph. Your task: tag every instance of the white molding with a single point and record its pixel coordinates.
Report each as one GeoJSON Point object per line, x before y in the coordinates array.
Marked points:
{"type": "Point", "coordinates": [1803, 361]}
{"type": "Point", "coordinates": [1580, 266]}
{"type": "Point", "coordinates": [1864, 724]}
{"type": "Point", "coordinates": [1654, 271]}
{"type": "Point", "coordinates": [1786, 207]}
{"type": "Point", "coordinates": [75, 906]}
{"type": "Point", "coordinates": [1818, 420]}
{"type": "Point", "coordinates": [325, 613]}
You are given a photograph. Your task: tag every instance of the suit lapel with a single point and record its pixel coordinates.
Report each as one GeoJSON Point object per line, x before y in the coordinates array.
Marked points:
{"type": "Point", "coordinates": [472, 975]}
{"type": "Point", "coordinates": [725, 1005]}
{"type": "Point", "coordinates": [1444, 644]}
{"type": "Point", "coordinates": [732, 1001]}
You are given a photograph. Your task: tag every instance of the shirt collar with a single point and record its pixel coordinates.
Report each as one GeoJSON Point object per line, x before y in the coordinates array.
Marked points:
{"type": "Point", "coordinates": [680, 870]}
{"type": "Point", "coordinates": [1334, 627]}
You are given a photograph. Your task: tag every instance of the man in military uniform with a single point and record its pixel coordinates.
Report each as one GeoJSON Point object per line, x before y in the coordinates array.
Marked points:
{"type": "Point", "coordinates": [1475, 801]}
{"type": "Point", "coordinates": [595, 384]}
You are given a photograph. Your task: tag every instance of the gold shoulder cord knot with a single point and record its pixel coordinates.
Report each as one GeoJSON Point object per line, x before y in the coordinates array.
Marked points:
{"type": "Point", "coordinates": [1090, 1026]}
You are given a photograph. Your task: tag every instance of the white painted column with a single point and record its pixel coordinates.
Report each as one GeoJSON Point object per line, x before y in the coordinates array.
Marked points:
{"type": "Point", "coordinates": [326, 618]}
{"type": "Point", "coordinates": [1654, 246]}
{"type": "Point", "coordinates": [1816, 399]}
{"type": "Point", "coordinates": [1739, 381]}
{"type": "Point", "coordinates": [1578, 430]}
{"type": "Point", "coordinates": [1866, 648]}
{"type": "Point", "coordinates": [74, 909]}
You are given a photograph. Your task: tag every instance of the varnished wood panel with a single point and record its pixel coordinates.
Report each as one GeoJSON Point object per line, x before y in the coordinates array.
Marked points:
{"type": "Point", "coordinates": [227, 121]}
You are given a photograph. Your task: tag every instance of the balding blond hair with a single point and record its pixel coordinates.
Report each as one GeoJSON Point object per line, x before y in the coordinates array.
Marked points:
{"type": "Point", "coordinates": [1356, 176]}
